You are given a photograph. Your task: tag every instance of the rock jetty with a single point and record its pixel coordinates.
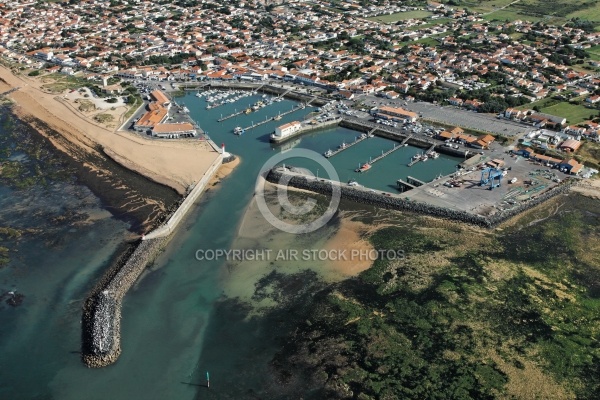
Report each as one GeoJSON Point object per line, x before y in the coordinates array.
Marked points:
{"type": "Point", "coordinates": [360, 195]}
{"type": "Point", "coordinates": [101, 338]}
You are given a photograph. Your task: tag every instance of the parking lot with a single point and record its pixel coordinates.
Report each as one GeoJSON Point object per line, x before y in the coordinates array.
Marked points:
{"type": "Point", "coordinates": [450, 115]}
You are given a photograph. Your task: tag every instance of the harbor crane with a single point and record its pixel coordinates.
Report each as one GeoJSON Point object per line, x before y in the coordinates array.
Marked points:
{"type": "Point", "coordinates": [491, 176]}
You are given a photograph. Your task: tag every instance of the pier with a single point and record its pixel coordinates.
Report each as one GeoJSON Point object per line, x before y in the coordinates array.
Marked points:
{"type": "Point", "coordinates": [235, 114]}
{"type": "Point", "coordinates": [404, 186]}
{"type": "Point", "coordinates": [420, 158]}
{"type": "Point", "coordinates": [344, 146]}
{"type": "Point", "coordinates": [414, 181]}
{"type": "Point", "coordinates": [269, 119]}
{"type": "Point", "coordinates": [387, 153]}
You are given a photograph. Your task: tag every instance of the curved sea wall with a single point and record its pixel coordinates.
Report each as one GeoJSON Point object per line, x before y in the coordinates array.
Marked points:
{"type": "Point", "coordinates": [366, 196]}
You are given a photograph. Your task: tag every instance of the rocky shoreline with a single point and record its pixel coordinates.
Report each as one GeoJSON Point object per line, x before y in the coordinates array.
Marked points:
{"type": "Point", "coordinates": [380, 200]}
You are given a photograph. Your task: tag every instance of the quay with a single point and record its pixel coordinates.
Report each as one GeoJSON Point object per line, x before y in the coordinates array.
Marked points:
{"type": "Point", "coordinates": [414, 181]}
{"type": "Point", "coordinates": [397, 201]}
{"type": "Point", "coordinates": [276, 90]}
{"type": "Point", "coordinates": [404, 186]}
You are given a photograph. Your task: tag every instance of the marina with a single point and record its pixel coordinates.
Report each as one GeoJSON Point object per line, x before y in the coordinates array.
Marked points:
{"type": "Point", "coordinates": [328, 135]}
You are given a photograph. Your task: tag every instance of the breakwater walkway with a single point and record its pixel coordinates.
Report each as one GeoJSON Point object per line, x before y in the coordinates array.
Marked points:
{"type": "Point", "coordinates": [101, 319]}
{"type": "Point", "coordinates": [169, 227]}
{"type": "Point", "coordinates": [397, 202]}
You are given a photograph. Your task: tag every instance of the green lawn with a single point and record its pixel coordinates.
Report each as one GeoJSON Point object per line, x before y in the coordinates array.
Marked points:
{"type": "Point", "coordinates": [485, 6]}
{"type": "Point", "coordinates": [573, 113]}
{"type": "Point", "coordinates": [553, 11]}
{"type": "Point", "coordinates": [419, 14]}
{"type": "Point", "coordinates": [510, 15]}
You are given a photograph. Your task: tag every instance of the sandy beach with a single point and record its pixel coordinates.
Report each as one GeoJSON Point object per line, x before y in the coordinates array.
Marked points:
{"type": "Point", "coordinates": [176, 164]}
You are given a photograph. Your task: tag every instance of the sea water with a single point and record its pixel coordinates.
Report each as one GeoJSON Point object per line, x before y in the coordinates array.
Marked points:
{"type": "Point", "coordinates": [177, 322]}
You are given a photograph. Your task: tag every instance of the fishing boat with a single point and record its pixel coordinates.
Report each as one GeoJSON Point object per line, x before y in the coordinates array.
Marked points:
{"type": "Point", "coordinates": [343, 145]}
{"type": "Point", "coordinates": [363, 136]}
{"type": "Point", "coordinates": [277, 117]}
{"type": "Point", "coordinates": [248, 111]}
{"type": "Point", "coordinates": [434, 155]}
{"type": "Point", "coordinates": [424, 158]}
{"type": "Point", "coordinates": [238, 130]}
{"type": "Point", "coordinates": [363, 168]}
{"type": "Point", "coordinates": [416, 157]}
{"type": "Point", "coordinates": [328, 153]}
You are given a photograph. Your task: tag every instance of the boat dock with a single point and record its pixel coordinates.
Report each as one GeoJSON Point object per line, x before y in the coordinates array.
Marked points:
{"type": "Point", "coordinates": [387, 153]}
{"type": "Point", "coordinates": [344, 146]}
{"type": "Point", "coordinates": [235, 114]}
{"type": "Point", "coordinates": [269, 119]}
{"type": "Point", "coordinates": [427, 153]}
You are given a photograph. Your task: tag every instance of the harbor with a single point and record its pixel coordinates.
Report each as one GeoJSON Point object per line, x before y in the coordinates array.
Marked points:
{"type": "Point", "coordinates": [385, 146]}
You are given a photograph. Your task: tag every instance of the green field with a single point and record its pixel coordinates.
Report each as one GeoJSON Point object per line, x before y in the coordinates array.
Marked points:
{"type": "Point", "coordinates": [573, 113]}
{"type": "Point", "coordinates": [552, 12]}
{"type": "Point", "coordinates": [401, 16]}
{"type": "Point", "coordinates": [485, 6]}
{"type": "Point", "coordinates": [509, 15]}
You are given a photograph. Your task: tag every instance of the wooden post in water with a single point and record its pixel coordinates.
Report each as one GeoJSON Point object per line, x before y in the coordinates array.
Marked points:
{"type": "Point", "coordinates": [207, 380]}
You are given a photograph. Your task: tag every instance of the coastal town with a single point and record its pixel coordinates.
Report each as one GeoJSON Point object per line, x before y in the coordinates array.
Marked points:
{"type": "Point", "coordinates": [536, 73]}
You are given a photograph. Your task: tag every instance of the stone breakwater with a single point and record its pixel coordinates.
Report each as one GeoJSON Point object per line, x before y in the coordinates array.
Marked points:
{"type": "Point", "coordinates": [365, 196]}
{"type": "Point", "coordinates": [101, 321]}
